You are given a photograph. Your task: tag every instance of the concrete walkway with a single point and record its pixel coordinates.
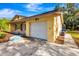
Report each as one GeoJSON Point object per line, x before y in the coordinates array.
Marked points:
{"type": "Point", "coordinates": [56, 50]}
{"type": "Point", "coordinates": [69, 41]}
{"type": "Point", "coordinates": [41, 48]}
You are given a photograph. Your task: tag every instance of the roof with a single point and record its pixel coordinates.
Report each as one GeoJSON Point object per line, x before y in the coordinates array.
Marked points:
{"type": "Point", "coordinates": [53, 11]}
{"type": "Point", "coordinates": [19, 16]}
{"type": "Point", "coordinates": [24, 17]}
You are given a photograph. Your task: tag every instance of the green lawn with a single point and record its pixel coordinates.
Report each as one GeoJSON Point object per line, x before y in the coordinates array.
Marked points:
{"type": "Point", "coordinates": [75, 36]}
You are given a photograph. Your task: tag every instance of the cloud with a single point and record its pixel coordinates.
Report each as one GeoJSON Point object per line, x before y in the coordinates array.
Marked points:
{"type": "Point", "coordinates": [36, 7]}
{"type": "Point", "coordinates": [33, 7]}
{"type": "Point", "coordinates": [30, 9]}
{"type": "Point", "coordinates": [8, 13]}
{"type": "Point", "coordinates": [49, 8]}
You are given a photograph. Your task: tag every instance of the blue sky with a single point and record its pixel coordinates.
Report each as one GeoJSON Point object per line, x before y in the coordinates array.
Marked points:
{"type": "Point", "coordinates": [9, 10]}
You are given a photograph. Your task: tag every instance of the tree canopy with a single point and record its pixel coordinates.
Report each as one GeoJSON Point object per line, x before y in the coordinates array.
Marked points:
{"type": "Point", "coordinates": [70, 10]}
{"type": "Point", "coordinates": [4, 24]}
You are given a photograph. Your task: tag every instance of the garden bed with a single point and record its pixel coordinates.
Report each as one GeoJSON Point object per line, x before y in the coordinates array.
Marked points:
{"type": "Point", "coordinates": [60, 40]}
{"type": "Point", "coordinates": [76, 41]}
{"type": "Point", "coordinates": [4, 37]}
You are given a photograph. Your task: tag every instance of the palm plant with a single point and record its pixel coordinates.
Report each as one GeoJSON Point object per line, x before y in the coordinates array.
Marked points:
{"type": "Point", "coordinates": [69, 17]}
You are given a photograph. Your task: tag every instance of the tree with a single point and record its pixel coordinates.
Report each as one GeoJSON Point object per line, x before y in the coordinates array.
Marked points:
{"type": "Point", "coordinates": [69, 10]}
{"type": "Point", "coordinates": [69, 17]}
{"type": "Point", "coordinates": [4, 24]}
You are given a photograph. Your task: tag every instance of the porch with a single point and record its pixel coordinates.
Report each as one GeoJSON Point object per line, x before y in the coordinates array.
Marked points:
{"type": "Point", "coordinates": [18, 28]}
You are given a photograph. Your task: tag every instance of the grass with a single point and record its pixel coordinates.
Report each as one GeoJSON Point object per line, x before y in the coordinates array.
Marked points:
{"type": "Point", "coordinates": [75, 36]}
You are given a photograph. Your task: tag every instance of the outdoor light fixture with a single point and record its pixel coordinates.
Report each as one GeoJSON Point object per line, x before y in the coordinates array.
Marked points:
{"type": "Point", "coordinates": [36, 19]}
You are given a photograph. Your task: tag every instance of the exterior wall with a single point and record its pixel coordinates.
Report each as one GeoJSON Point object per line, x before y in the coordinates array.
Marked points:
{"type": "Point", "coordinates": [9, 27]}
{"type": "Point", "coordinates": [27, 28]}
{"type": "Point", "coordinates": [49, 18]}
{"type": "Point", "coordinates": [12, 27]}
{"type": "Point", "coordinates": [50, 21]}
{"type": "Point", "coordinates": [58, 26]}
{"type": "Point", "coordinates": [51, 30]}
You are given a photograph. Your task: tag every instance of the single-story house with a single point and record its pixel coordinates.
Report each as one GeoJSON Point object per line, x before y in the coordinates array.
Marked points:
{"type": "Point", "coordinates": [46, 26]}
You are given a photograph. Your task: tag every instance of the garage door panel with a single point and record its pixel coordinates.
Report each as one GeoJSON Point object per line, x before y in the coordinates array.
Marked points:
{"type": "Point", "coordinates": [39, 30]}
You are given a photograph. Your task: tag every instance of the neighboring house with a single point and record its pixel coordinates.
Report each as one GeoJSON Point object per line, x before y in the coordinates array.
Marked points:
{"type": "Point", "coordinates": [45, 26]}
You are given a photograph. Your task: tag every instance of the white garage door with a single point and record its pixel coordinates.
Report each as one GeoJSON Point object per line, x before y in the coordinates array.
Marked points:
{"type": "Point", "coordinates": [39, 30]}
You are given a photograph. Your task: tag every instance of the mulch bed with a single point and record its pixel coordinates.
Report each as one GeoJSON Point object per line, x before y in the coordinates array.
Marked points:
{"type": "Point", "coordinates": [60, 40]}
{"type": "Point", "coordinates": [6, 38]}
{"type": "Point", "coordinates": [76, 41]}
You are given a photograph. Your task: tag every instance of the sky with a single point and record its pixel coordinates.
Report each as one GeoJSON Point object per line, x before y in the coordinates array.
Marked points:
{"type": "Point", "coordinates": [9, 10]}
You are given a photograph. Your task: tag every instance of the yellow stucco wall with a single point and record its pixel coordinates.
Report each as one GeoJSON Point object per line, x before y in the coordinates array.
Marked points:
{"type": "Point", "coordinates": [27, 28]}
{"type": "Point", "coordinates": [49, 18]}
{"type": "Point", "coordinates": [45, 18]}
{"type": "Point", "coordinates": [51, 30]}
{"type": "Point", "coordinates": [9, 27]}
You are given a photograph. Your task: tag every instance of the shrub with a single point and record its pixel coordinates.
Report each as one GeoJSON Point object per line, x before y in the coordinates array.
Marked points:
{"type": "Point", "coordinates": [2, 35]}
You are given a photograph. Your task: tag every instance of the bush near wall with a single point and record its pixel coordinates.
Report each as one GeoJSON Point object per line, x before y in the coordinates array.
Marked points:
{"type": "Point", "coordinates": [2, 35]}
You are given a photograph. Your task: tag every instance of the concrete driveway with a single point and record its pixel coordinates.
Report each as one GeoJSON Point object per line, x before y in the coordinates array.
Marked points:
{"type": "Point", "coordinates": [41, 48]}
